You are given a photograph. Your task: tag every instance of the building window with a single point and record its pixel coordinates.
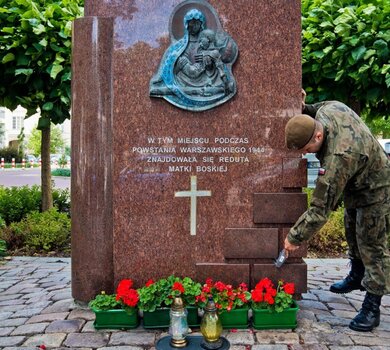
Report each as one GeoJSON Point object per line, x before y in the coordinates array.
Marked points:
{"type": "Point", "coordinates": [17, 122]}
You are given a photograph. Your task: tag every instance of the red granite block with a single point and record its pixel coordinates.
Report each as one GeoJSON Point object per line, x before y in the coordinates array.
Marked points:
{"type": "Point", "coordinates": [299, 253]}
{"type": "Point", "coordinates": [294, 173]}
{"type": "Point", "coordinates": [296, 273]}
{"type": "Point", "coordinates": [250, 243]}
{"type": "Point", "coordinates": [278, 208]}
{"type": "Point", "coordinates": [228, 273]}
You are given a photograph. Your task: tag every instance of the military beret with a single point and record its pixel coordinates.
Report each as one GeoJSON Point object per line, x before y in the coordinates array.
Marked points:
{"type": "Point", "coordinates": [299, 131]}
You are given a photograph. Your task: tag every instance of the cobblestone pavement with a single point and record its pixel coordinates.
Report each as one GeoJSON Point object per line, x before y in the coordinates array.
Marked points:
{"type": "Point", "coordinates": [36, 308]}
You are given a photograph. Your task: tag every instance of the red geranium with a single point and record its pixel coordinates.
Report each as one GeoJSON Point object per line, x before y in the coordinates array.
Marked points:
{"type": "Point", "coordinates": [126, 294]}
{"type": "Point", "coordinates": [224, 295]}
{"type": "Point", "coordinates": [265, 295]}
{"type": "Point", "coordinates": [149, 283]}
{"type": "Point", "coordinates": [177, 286]}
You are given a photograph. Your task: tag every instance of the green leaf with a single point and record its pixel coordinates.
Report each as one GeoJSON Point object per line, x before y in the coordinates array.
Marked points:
{"type": "Point", "coordinates": [339, 75]}
{"type": "Point", "coordinates": [358, 53]}
{"type": "Point", "coordinates": [39, 29]}
{"type": "Point", "coordinates": [48, 106]}
{"type": "Point", "coordinates": [55, 70]}
{"type": "Point", "coordinates": [25, 71]}
{"type": "Point", "coordinates": [8, 58]}
{"type": "Point", "coordinates": [369, 53]}
{"type": "Point", "coordinates": [9, 30]}
{"type": "Point", "coordinates": [369, 10]}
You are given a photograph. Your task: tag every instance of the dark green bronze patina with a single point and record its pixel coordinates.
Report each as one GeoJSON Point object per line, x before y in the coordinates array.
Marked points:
{"type": "Point", "coordinates": [195, 72]}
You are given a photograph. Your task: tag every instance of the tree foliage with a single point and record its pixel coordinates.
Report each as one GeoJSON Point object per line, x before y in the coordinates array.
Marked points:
{"type": "Point", "coordinates": [35, 52]}
{"type": "Point", "coordinates": [57, 142]}
{"type": "Point", "coordinates": [346, 53]}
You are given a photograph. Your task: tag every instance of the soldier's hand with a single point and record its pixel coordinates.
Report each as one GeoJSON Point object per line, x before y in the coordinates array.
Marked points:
{"type": "Point", "coordinates": [289, 246]}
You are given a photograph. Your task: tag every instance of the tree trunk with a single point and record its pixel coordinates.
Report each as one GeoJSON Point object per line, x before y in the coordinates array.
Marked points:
{"type": "Point", "coordinates": [47, 197]}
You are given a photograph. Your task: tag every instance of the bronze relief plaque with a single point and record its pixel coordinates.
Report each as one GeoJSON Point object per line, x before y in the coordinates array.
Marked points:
{"type": "Point", "coordinates": [195, 72]}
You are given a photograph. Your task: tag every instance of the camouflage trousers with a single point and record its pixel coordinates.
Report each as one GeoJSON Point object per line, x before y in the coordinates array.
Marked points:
{"type": "Point", "coordinates": [367, 232]}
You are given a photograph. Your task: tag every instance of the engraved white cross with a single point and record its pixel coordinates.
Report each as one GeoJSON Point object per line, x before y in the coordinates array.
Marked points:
{"type": "Point", "coordinates": [193, 194]}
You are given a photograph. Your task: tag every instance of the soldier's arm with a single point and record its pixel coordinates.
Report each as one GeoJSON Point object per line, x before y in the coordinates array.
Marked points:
{"type": "Point", "coordinates": [312, 109]}
{"type": "Point", "coordinates": [329, 187]}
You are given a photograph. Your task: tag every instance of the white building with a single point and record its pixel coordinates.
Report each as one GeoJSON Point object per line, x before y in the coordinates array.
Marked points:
{"type": "Point", "coordinates": [14, 121]}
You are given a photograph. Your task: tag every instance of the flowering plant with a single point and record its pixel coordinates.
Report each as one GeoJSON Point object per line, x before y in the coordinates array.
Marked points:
{"type": "Point", "coordinates": [160, 293]}
{"type": "Point", "coordinates": [224, 295]}
{"type": "Point", "coordinates": [125, 298]}
{"type": "Point", "coordinates": [265, 295]}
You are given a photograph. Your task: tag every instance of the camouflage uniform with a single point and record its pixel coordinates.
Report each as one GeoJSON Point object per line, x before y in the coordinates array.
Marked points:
{"type": "Point", "coordinates": [354, 164]}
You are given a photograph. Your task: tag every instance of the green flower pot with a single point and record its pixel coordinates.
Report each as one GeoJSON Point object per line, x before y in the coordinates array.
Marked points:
{"type": "Point", "coordinates": [115, 319]}
{"type": "Point", "coordinates": [236, 318]}
{"type": "Point", "coordinates": [264, 319]}
{"type": "Point", "coordinates": [160, 318]}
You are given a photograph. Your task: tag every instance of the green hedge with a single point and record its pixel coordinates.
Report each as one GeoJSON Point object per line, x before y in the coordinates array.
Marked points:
{"type": "Point", "coordinates": [39, 232]}
{"type": "Point", "coordinates": [330, 240]}
{"type": "Point", "coordinates": [17, 202]}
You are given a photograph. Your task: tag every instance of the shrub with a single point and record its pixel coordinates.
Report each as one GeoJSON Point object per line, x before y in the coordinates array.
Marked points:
{"type": "Point", "coordinates": [8, 153]}
{"type": "Point", "coordinates": [61, 200]}
{"type": "Point", "coordinates": [39, 232]}
{"type": "Point", "coordinates": [17, 202]}
{"type": "Point", "coordinates": [3, 248]}
{"type": "Point", "coordinates": [61, 172]}
{"type": "Point", "coordinates": [330, 240]}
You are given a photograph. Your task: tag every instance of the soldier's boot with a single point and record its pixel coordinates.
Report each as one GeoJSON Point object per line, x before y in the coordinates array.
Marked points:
{"type": "Point", "coordinates": [369, 315]}
{"type": "Point", "coordinates": [352, 281]}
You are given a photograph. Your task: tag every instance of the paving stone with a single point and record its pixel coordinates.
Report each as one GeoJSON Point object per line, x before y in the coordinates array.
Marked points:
{"type": "Point", "coordinates": [370, 341]}
{"type": "Point", "coordinates": [306, 314]}
{"type": "Point", "coordinates": [270, 347]}
{"type": "Point", "coordinates": [88, 327]}
{"type": "Point", "coordinates": [11, 308]}
{"type": "Point", "coordinates": [308, 347]}
{"type": "Point", "coordinates": [308, 337]}
{"type": "Point", "coordinates": [309, 296]}
{"type": "Point", "coordinates": [88, 315]}
{"type": "Point", "coordinates": [13, 322]}
{"type": "Point", "coordinates": [20, 348]}
{"type": "Point", "coordinates": [11, 302]}
{"type": "Point", "coordinates": [26, 313]}
{"type": "Point", "coordinates": [6, 331]}
{"type": "Point", "coordinates": [334, 339]}
{"type": "Point", "coordinates": [48, 317]}
{"type": "Point", "coordinates": [59, 306]}
{"type": "Point", "coordinates": [11, 341]}
{"type": "Point", "coordinates": [49, 340]}
{"type": "Point", "coordinates": [333, 320]}
{"type": "Point", "coordinates": [10, 297]}
{"type": "Point", "coordinates": [310, 304]}
{"type": "Point", "coordinates": [272, 337]}
{"type": "Point", "coordinates": [331, 347]}
{"type": "Point", "coordinates": [93, 340]}
{"type": "Point", "coordinates": [124, 348]}
{"type": "Point", "coordinates": [29, 329]}
{"type": "Point", "coordinates": [5, 314]}
{"type": "Point", "coordinates": [241, 337]}
{"type": "Point", "coordinates": [344, 306]}
{"type": "Point", "coordinates": [62, 296]}
{"type": "Point", "coordinates": [126, 338]}
{"type": "Point", "coordinates": [344, 314]}
{"type": "Point", "coordinates": [329, 297]}
{"type": "Point", "coordinates": [65, 326]}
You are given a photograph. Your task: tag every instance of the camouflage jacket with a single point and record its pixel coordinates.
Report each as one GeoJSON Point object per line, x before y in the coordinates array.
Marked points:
{"type": "Point", "coordinates": [353, 163]}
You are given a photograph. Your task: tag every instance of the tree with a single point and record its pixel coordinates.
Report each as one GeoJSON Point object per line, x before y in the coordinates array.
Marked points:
{"type": "Point", "coordinates": [57, 143]}
{"type": "Point", "coordinates": [346, 53]}
{"type": "Point", "coordinates": [35, 70]}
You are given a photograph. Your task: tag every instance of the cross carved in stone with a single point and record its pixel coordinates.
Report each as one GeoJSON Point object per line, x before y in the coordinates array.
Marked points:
{"type": "Point", "coordinates": [193, 194]}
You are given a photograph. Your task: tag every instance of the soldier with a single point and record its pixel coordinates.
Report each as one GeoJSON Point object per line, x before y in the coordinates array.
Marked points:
{"type": "Point", "coordinates": [353, 164]}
